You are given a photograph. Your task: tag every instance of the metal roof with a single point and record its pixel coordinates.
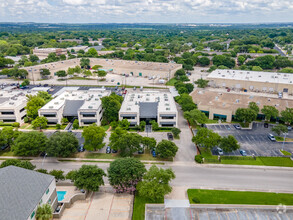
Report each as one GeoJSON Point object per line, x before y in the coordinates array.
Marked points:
{"type": "Point", "coordinates": [71, 107]}
{"type": "Point", "coordinates": [148, 109]}
{"type": "Point", "coordinates": [21, 191]}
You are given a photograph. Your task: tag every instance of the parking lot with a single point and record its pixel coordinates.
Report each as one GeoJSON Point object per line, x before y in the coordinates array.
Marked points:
{"type": "Point", "coordinates": [254, 141]}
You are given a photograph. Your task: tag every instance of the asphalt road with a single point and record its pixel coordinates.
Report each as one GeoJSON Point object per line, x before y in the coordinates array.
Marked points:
{"type": "Point", "coordinates": [253, 141]}
{"type": "Point", "coordinates": [197, 176]}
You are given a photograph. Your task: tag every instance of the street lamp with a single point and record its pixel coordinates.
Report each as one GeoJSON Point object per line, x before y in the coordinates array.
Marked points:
{"type": "Point", "coordinates": [285, 134]}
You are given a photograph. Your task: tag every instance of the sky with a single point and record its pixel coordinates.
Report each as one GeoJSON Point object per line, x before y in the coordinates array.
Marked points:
{"type": "Point", "coordinates": [146, 11]}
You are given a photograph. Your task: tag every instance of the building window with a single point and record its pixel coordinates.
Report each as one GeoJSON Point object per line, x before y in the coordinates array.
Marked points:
{"type": "Point", "coordinates": [8, 120]}
{"type": "Point", "coordinates": [7, 113]}
{"type": "Point", "coordinates": [89, 115]}
{"type": "Point", "coordinates": [48, 190]}
{"type": "Point", "coordinates": [49, 201]}
{"type": "Point", "coordinates": [23, 117]}
{"type": "Point", "coordinates": [89, 122]}
{"type": "Point", "coordinates": [49, 116]}
{"type": "Point", "coordinates": [128, 117]}
{"type": "Point", "coordinates": [167, 117]}
{"type": "Point", "coordinates": [33, 214]}
{"type": "Point", "coordinates": [21, 110]}
{"type": "Point", "coordinates": [100, 111]}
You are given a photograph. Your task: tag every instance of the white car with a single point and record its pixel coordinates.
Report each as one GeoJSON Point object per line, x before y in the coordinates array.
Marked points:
{"type": "Point", "coordinates": [271, 137]}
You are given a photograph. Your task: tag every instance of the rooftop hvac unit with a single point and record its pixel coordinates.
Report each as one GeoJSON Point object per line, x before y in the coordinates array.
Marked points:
{"type": "Point", "coordinates": [90, 106]}
{"type": "Point", "coordinates": [128, 109]}
{"type": "Point", "coordinates": [96, 99]}
{"type": "Point", "coordinates": [50, 106]}
{"type": "Point", "coordinates": [167, 108]}
{"type": "Point", "coordinates": [11, 103]}
{"type": "Point", "coordinates": [56, 103]}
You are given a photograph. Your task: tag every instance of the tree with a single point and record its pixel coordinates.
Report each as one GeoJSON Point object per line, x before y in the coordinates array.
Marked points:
{"type": "Point", "coordinates": [166, 149]}
{"type": "Point", "coordinates": [18, 163]}
{"type": "Point", "coordinates": [127, 143]}
{"type": "Point", "coordinates": [62, 144]}
{"type": "Point", "coordinates": [45, 95]}
{"type": "Point", "coordinates": [111, 105]}
{"type": "Point", "coordinates": [278, 129]}
{"type": "Point", "coordinates": [156, 183]}
{"type": "Point", "coordinates": [42, 171]}
{"type": "Point", "coordinates": [186, 102]}
{"type": "Point", "coordinates": [149, 142]}
{"type": "Point", "coordinates": [201, 83]}
{"type": "Point", "coordinates": [254, 107]}
{"type": "Point", "coordinates": [180, 72]}
{"type": "Point", "coordinates": [70, 175]}
{"type": "Point", "coordinates": [96, 67]}
{"type": "Point", "coordinates": [33, 105]}
{"type": "Point", "coordinates": [84, 63]}
{"type": "Point", "coordinates": [224, 60]}
{"type": "Point", "coordinates": [155, 125]}
{"type": "Point", "coordinates": [125, 173]}
{"type": "Point", "coordinates": [287, 115]}
{"type": "Point", "coordinates": [101, 73]}
{"type": "Point", "coordinates": [89, 177]}
{"type": "Point", "coordinates": [195, 116]}
{"type": "Point", "coordinates": [61, 73]}
{"type": "Point", "coordinates": [241, 60]}
{"type": "Point", "coordinates": [29, 144]}
{"type": "Point", "coordinates": [75, 124]}
{"type": "Point", "coordinates": [7, 135]}
{"type": "Point", "coordinates": [270, 112]}
{"type": "Point", "coordinates": [93, 137]}
{"type": "Point", "coordinates": [40, 122]}
{"type": "Point", "coordinates": [33, 58]}
{"type": "Point", "coordinates": [245, 115]}
{"type": "Point", "coordinates": [229, 143]}
{"type": "Point", "coordinates": [25, 82]}
{"type": "Point", "coordinates": [256, 68]}
{"type": "Point", "coordinates": [45, 72]}
{"type": "Point", "coordinates": [176, 132]}
{"type": "Point", "coordinates": [124, 123]}
{"type": "Point", "coordinates": [142, 125]}
{"type": "Point", "coordinates": [64, 121]}
{"type": "Point", "coordinates": [204, 61]}
{"type": "Point", "coordinates": [58, 174]}
{"type": "Point", "coordinates": [44, 212]}
{"type": "Point", "coordinates": [206, 138]}
{"type": "Point", "coordinates": [92, 52]}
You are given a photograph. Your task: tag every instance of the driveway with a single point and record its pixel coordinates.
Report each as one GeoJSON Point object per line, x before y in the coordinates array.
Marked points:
{"type": "Point", "coordinates": [101, 205]}
{"type": "Point", "coordinates": [253, 141]}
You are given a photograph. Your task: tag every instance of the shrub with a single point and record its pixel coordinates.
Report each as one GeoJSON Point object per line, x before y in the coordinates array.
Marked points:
{"type": "Point", "coordinates": [25, 119]}
{"type": "Point", "coordinates": [15, 124]}
{"type": "Point", "coordinates": [195, 200]}
{"type": "Point", "coordinates": [75, 124]}
{"type": "Point", "coordinates": [58, 126]}
{"type": "Point", "coordinates": [104, 122]}
{"type": "Point", "coordinates": [198, 158]}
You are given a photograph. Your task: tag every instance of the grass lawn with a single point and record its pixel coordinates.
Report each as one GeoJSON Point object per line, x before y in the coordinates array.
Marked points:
{"type": "Point", "coordinates": [286, 153]}
{"type": "Point", "coordinates": [171, 82]}
{"type": "Point", "coordinates": [139, 206]}
{"type": "Point", "coordinates": [6, 153]}
{"type": "Point", "coordinates": [260, 161]}
{"type": "Point", "coordinates": [80, 78]}
{"type": "Point", "coordinates": [212, 121]}
{"type": "Point", "coordinates": [51, 127]}
{"type": "Point", "coordinates": [281, 139]}
{"type": "Point", "coordinates": [237, 197]}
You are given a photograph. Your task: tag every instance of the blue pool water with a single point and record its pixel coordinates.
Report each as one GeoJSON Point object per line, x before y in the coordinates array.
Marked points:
{"type": "Point", "coordinates": [60, 195]}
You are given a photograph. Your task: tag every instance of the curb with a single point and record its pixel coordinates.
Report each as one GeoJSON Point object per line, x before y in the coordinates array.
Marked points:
{"type": "Point", "coordinates": [246, 166]}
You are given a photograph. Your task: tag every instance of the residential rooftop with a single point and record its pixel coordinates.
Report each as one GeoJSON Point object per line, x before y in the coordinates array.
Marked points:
{"type": "Point", "coordinates": [253, 76]}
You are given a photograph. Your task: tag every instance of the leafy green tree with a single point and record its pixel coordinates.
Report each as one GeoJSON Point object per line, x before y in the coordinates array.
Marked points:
{"type": "Point", "coordinates": [18, 163]}
{"type": "Point", "coordinates": [186, 102]}
{"type": "Point", "coordinates": [256, 68]}
{"type": "Point", "coordinates": [201, 83]}
{"type": "Point", "coordinates": [89, 177]}
{"type": "Point", "coordinates": [246, 115]}
{"type": "Point", "coordinates": [155, 125]}
{"type": "Point", "coordinates": [156, 183]}
{"type": "Point", "coordinates": [44, 212]}
{"type": "Point", "coordinates": [61, 73]}
{"type": "Point", "coordinates": [62, 144]}
{"type": "Point", "coordinates": [176, 132]}
{"type": "Point", "coordinates": [45, 72]}
{"type": "Point", "coordinates": [195, 116]}
{"type": "Point", "coordinates": [206, 138]}
{"type": "Point", "coordinates": [101, 73]}
{"type": "Point", "coordinates": [229, 143]}
{"type": "Point", "coordinates": [224, 60]}
{"type": "Point", "coordinates": [287, 115]}
{"type": "Point", "coordinates": [278, 129]}
{"type": "Point", "coordinates": [127, 143]}
{"type": "Point", "coordinates": [92, 52]}
{"type": "Point", "coordinates": [270, 112]}
{"type": "Point", "coordinates": [96, 67]}
{"type": "Point", "coordinates": [64, 121]}
{"type": "Point", "coordinates": [40, 122]}
{"type": "Point", "coordinates": [84, 63]}
{"type": "Point", "coordinates": [29, 144]}
{"type": "Point", "coordinates": [124, 123]}
{"type": "Point", "coordinates": [7, 135]}
{"type": "Point", "coordinates": [45, 95]}
{"type": "Point", "coordinates": [25, 82]}
{"type": "Point", "coordinates": [180, 72]}
{"type": "Point", "coordinates": [241, 60]}
{"type": "Point", "coordinates": [33, 105]}
{"type": "Point", "coordinates": [70, 175]}
{"type": "Point", "coordinates": [204, 61]}
{"type": "Point", "coordinates": [125, 173]}
{"type": "Point", "coordinates": [166, 149]}
{"type": "Point", "coordinates": [111, 105]}
{"type": "Point", "coordinates": [142, 125]}
{"type": "Point", "coordinates": [75, 124]}
{"type": "Point", "coordinates": [93, 137]}
{"type": "Point", "coordinates": [149, 142]}
{"type": "Point", "coordinates": [58, 174]}
{"type": "Point", "coordinates": [254, 107]}
{"type": "Point", "coordinates": [33, 58]}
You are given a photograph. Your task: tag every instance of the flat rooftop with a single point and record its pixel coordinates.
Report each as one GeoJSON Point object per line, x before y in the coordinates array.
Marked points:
{"type": "Point", "coordinates": [233, 101]}
{"type": "Point", "coordinates": [106, 64]}
{"type": "Point", "coordinates": [92, 99]}
{"type": "Point", "coordinates": [165, 101]}
{"type": "Point", "coordinates": [253, 76]}
{"type": "Point", "coordinates": [13, 98]}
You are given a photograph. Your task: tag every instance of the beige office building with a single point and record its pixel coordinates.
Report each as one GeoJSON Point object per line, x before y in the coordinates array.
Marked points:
{"type": "Point", "coordinates": [240, 80]}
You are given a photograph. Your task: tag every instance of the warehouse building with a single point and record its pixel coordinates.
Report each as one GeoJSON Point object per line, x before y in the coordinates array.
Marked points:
{"type": "Point", "coordinates": [12, 105]}
{"type": "Point", "coordinates": [242, 80]}
{"type": "Point", "coordinates": [223, 105]}
{"type": "Point", "coordinates": [86, 106]}
{"type": "Point", "coordinates": [132, 68]}
{"type": "Point", "coordinates": [147, 106]}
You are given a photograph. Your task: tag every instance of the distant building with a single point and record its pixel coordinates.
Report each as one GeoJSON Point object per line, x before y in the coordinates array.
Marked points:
{"type": "Point", "coordinates": [44, 52]}
{"type": "Point", "coordinates": [22, 191]}
{"type": "Point", "coordinates": [149, 105]}
{"type": "Point", "coordinates": [86, 106]}
{"type": "Point", "coordinates": [12, 105]}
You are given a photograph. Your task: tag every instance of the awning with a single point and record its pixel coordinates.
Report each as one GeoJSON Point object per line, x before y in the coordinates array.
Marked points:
{"type": "Point", "coordinates": [88, 113]}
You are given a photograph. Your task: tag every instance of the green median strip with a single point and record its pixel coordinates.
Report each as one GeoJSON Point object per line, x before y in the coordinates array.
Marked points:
{"type": "Point", "coordinates": [238, 197]}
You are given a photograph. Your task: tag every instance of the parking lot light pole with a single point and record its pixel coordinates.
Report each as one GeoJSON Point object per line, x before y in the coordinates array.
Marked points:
{"type": "Point", "coordinates": [284, 141]}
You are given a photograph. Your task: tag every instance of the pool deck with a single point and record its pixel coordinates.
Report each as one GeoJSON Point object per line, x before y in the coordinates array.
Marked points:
{"type": "Point", "coordinates": [70, 191]}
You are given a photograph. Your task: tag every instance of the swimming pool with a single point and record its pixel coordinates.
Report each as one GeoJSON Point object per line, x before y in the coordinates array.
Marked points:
{"type": "Point", "coordinates": [60, 195]}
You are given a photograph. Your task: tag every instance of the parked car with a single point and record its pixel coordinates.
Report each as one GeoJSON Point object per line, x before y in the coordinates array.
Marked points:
{"type": "Point", "coordinates": [154, 153]}
{"type": "Point", "coordinates": [112, 80]}
{"type": "Point", "coordinates": [266, 125]}
{"type": "Point", "coordinates": [114, 151]}
{"type": "Point", "coordinates": [134, 88]}
{"type": "Point", "coordinates": [271, 137]}
{"type": "Point", "coordinates": [220, 151]}
{"type": "Point", "coordinates": [203, 125]}
{"type": "Point", "coordinates": [289, 128]}
{"type": "Point", "coordinates": [170, 136]}
{"type": "Point", "coordinates": [280, 95]}
{"type": "Point", "coordinates": [81, 148]}
{"type": "Point", "coordinates": [237, 127]}
{"type": "Point", "coordinates": [46, 85]}
{"type": "Point", "coordinates": [108, 150]}
{"type": "Point", "coordinates": [243, 153]}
